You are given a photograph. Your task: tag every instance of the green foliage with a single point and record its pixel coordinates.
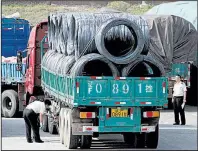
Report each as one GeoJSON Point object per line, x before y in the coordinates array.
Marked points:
{"type": "Point", "coordinates": [126, 7]}
{"type": "Point", "coordinates": [119, 5]}
{"type": "Point", "coordinates": [138, 9]}
{"type": "Point", "coordinates": [35, 13]}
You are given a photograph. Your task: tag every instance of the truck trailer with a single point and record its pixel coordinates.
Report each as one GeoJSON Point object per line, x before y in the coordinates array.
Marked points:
{"type": "Point", "coordinates": [187, 71]}
{"type": "Point", "coordinates": [86, 106]}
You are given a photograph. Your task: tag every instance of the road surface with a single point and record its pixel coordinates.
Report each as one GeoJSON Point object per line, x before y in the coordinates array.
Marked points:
{"type": "Point", "coordinates": [171, 137]}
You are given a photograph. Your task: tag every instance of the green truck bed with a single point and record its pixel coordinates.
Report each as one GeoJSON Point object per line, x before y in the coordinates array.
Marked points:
{"type": "Point", "coordinates": [105, 91]}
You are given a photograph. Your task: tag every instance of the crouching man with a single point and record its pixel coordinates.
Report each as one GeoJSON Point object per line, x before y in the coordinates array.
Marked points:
{"type": "Point", "coordinates": [31, 114]}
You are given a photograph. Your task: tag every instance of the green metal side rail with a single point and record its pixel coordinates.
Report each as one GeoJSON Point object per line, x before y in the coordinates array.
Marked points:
{"type": "Point", "coordinates": [106, 91]}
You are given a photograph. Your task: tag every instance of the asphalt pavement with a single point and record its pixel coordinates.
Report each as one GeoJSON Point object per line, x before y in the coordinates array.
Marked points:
{"type": "Point", "coordinates": [170, 138]}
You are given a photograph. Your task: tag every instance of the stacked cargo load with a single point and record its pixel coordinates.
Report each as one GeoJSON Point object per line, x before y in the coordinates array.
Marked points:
{"type": "Point", "coordinates": [93, 41]}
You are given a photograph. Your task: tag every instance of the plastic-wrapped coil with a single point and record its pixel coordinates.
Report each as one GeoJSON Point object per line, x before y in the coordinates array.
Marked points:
{"type": "Point", "coordinates": [46, 56]}
{"type": "Point", "coordinates": [51, 32]}
{"type": "Point", "coordinates": [68, 62]}
{"type": "Point", "coordinates": [79, 30]}
{"type": "Point", "coordinates": [131, 55]}
{"type": "Point", "coordinates": [155, 63]}
{"type": "Point", "coordinates": [54, 61]}
{"type": "Point", "coordinates": [128, 68]}
{"type": "Point", "coordinates": [94, 65]}
{"type": "Point", "coordinates": [63, 67]}
{"type": "Point", "coordinates": [58, 63]}
{"type": "Point", "coordinates": [87, 26]}
{"type": "Point", "coordinates": [163, 60]}
{"type": "Point", "coordinates": [144, 66]}
{"type": "Point", "coordinates": [56, 39]}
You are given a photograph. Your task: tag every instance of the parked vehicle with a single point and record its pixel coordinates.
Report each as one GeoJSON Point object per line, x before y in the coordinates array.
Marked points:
{"type": "Point", "coordinates": [86, 106]}
{"type": "Point", "coordinates": [15, 35]}
{"type": "Point", "coordinates": [184, 70]}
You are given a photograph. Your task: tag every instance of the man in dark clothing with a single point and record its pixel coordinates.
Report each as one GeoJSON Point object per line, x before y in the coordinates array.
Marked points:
{"type": "Point", "coordinates": [30, 115]}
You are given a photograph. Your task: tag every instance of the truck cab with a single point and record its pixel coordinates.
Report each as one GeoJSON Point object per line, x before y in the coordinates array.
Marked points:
{"type": "Point", "coordinates": [33, 70]}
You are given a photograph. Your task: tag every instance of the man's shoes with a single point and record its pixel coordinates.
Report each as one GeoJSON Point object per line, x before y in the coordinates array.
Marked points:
{"type": "Point", "coordinates": [176, 124]}
{"type": "Point", "coordinates": [29, 141]}
{"type": "Point", "coordinates": [183, 124]}
{"type": "Point", "coordinates": [39, 141]}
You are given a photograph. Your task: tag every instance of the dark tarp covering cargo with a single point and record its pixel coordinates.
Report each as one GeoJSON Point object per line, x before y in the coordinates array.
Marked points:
{"type": "Point", "coordinates": [172, 39]}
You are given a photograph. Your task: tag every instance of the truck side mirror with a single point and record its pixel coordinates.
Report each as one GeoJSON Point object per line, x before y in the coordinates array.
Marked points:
{"type": "Point", "coordinates": [19, 61]}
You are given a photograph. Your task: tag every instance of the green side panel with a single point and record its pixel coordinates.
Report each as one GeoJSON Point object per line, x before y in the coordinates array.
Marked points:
{"type": "Point", "coordinates": [120, 89]}
{"type": "Point", "coordinates": [93, 88]}
{"type": "Point", "coordinates": [179, 68]}
{"type": "Point", "coordinates": [145, 88]}
{"type": "Point", "coordinates": [106, 91]}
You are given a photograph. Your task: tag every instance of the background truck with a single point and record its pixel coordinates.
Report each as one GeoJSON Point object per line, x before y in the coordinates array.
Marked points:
{"type": "Point", "coordinates": [86, 106]}
{"type": "Point", "coordinates": [185, 71]}
{"type": "Point", "coordinates": [15, 35]}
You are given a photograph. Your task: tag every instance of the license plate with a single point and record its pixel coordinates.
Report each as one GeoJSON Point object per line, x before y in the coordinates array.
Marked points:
{"type": "Point", "coordinates": [119, 113]}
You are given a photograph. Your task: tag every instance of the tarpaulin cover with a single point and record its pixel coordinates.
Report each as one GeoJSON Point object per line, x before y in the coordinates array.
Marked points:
{"type": "Point", "coordinates": [12, 59]}
{"type": "Point", "coordinates": [184, 9]}
{"type": "Point", "coordinates": [172, 39]}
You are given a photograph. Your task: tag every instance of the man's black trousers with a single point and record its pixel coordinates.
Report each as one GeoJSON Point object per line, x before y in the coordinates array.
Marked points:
{"type": "Point", "coordinates": [178, 109]}
{"type": "Point", "coordinates": [31, 121]}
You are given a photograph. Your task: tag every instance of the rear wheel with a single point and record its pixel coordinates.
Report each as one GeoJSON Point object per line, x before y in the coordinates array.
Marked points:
{"type": "Point", "coordinates": [10, 103]}
{"type": "Point", "coordinates": [61, 126]}
{"type": "Point", "coordinates": [70, 141]}
{"type": "Point", "coordinates": [95, 135]}
{"type": "Point", "coordinates": [152, 138]}
{"type": "Point", "coordinates": [86, 141]}
{"type": "Point", "coordinates": [52, 126]}
{"type": "Point", "coordinates": [45, 123]}
{"type": "Point", "coordinates": [127, 138]}
{"type": "Point", "coordinates": [136, 140]}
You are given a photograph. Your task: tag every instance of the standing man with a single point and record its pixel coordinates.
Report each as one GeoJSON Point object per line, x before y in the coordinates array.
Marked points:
{"type": "Point", "coordinates": [179, 100]}
{"type": "Point", "coordinates": [31, 114]}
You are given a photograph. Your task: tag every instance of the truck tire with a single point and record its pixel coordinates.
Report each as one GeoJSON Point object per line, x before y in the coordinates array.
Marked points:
{"type": "Point", "coordinates": [61, 126]}
{"type": "Point", "coordinates": [152, 138]}
{"type": "Point", "coordinates": [45, 123]}
{"type": "Point", "coordinates": [70, 141]}
{"type": "Point", "coordinates": [51, 126]}
{"type": "Point", "coordinates": [127, 138]}
{"type": "Point", "coordinates": [10, 103]}
{"type": "Point", "coordinates": [95, 135]}
{"type": "Point", "coordinates": [86, 141]}
{"type": "Point", "coordinates": [135, 140]}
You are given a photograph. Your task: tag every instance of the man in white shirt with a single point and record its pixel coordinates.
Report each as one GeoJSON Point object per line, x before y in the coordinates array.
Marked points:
{"type": "Point", "coordinates": [179, 100]}
{"type": "Point", "coordinates": [31, 114]}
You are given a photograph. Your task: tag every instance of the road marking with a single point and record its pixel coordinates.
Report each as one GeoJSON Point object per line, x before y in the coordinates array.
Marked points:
{"type": "Point", "coordinates": [178, 128]}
